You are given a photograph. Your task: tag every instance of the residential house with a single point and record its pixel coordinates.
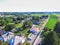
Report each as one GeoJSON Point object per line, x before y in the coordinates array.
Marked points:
{"type": "Point", "coordinates": [2, 31]}
{"type": "Point", "coordinates": [17, 40]}
{"type": "Point", "coordinates": [8, 36]}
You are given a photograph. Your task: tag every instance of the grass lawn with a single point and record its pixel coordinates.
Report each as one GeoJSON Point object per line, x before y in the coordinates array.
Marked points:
{"type": "Point", "coordinates": [19, 25]}
{"type": "Point", "coordinates": [26, 32]}
{"type": "Point", "coordinates": [52, 21]}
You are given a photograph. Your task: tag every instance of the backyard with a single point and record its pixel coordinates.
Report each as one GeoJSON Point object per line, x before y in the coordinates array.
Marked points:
{"type": "Point", "coordinates": [26, 32]}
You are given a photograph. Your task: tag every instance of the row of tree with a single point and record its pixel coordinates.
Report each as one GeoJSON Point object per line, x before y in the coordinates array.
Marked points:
{"type": "Point", "coordinates": [52, 37]}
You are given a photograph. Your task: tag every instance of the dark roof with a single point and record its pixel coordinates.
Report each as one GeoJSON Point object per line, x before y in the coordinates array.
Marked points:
{"type": "Point", "coordinates": [2, 32]}
{"type": "Point", "coordinates": [36, 22]}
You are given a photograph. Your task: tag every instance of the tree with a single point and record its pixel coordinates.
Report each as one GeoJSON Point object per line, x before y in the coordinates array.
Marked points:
{"type": "Point", "coordinates": [9, 27]}
{"type": "Point", "coordinates": [57, 27]}
{"type": "Point", "coordinates": [3, 22]}
{"type": "Point", "coordinates": [1, 42]}
{"type": "Point", "coordinates": [27, 24]}
{"type": "Point", "coordinates": [51, 39]}
{"type": "Point", "coordinates": [8, 20]}
{"type": "Point", "coordinates": [37, 18]}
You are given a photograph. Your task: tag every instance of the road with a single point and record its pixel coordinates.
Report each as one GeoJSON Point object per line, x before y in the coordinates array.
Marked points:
{"type": "Point", "coordinates": [38, 39]}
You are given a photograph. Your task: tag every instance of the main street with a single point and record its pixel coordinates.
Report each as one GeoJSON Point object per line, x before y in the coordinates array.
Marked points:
{"type": "Point", "coordinates": [38, 39]}
{"type": "Point", "coordinates": [35, 39]}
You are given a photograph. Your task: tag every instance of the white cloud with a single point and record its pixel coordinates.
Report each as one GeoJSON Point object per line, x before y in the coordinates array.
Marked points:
{"type": "Point", "coordinates": [29, 5]}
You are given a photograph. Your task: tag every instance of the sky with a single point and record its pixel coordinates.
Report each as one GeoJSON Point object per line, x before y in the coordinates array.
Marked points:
{"type": "Point", "coordinates": [29, 5]}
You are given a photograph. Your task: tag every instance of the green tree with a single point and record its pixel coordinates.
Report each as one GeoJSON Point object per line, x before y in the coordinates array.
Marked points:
{"type": "Point", "coordinates": [5, 43]}
{"type": "Point", "coordinates": [37, 18]}
{"type": "Point", "coordinates": [27, 24]}
{"type": "Point", "coordinates": [9, 27]}
{"type": "Point", "coordinates": [57, 27]}
{"type": "Point", "coordinates": [1, 42]}
{"type": "Point", "coordinates": [51, 39]}
{"type": "Point", "coordinates": [3, 22]}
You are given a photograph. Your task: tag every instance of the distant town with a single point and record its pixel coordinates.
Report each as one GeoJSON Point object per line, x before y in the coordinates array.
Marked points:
{"type": "Point", "coordinates": [29, 28]}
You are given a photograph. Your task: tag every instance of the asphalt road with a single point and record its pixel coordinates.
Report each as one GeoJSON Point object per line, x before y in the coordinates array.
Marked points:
{"type": "Point", "coordinates": [38, 39]}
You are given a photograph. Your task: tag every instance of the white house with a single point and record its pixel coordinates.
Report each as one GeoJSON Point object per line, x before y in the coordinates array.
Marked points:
{"type": "Point", "coordinates": [17, 40]}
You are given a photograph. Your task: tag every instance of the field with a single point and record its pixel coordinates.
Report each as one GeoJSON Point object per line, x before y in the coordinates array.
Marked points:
{"type": "Point", "coordinates": [52, 21]}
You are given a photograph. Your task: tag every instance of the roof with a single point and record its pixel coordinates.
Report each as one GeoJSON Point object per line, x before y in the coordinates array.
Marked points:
{"type": "Point", "coordinates": [1, 38]}
{"type": "Point", "coordinates": [15, 40]}
{"type": "Point", "coordinates": [11, 41]}
{"type": "Point", "coordinates": [34, 28]}
{"type": "Point", "coordinates": [36, 22]}
{"type": "Point", "coordinates": [2, 32]}
{"type": "Point", "coordinates": [8, 36]}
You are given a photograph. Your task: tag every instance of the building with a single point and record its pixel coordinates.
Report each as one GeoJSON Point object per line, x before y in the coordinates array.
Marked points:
{"type": "Point", "coordinates": [8, 36]}
{"type": "Point", "coordinates": [2, 31]}
{"type": "Point", "coordinates": [34, 30]}
{"type": "Point", "coordinates": [17, 40]}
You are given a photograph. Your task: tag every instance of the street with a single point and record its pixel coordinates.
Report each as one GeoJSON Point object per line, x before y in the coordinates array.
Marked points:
{"type": "Point", "coordinates": [38, 39]}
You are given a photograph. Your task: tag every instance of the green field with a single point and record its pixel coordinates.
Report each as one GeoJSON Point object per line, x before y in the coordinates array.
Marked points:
{"type": "Point", "coordinates": [52, 21]}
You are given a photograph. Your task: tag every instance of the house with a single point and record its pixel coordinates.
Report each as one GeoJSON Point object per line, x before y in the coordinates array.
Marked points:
{"type": "Point", "coordinates": [8, 36]}
{"type": "Point", "coordinates": [34, 30]}
{"type": "Point", "coordinates": [2, 31]}
{"type": "Point", "coordinates": [17, 40]}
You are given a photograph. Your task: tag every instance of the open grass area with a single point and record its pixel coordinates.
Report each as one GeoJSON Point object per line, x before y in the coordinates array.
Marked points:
{"type": "Point", "coordinates": [52, 21]}
{"type": "Point", "coordinates": [19, 25]}
{"type": "Point", "coordinates": [26, 32]}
